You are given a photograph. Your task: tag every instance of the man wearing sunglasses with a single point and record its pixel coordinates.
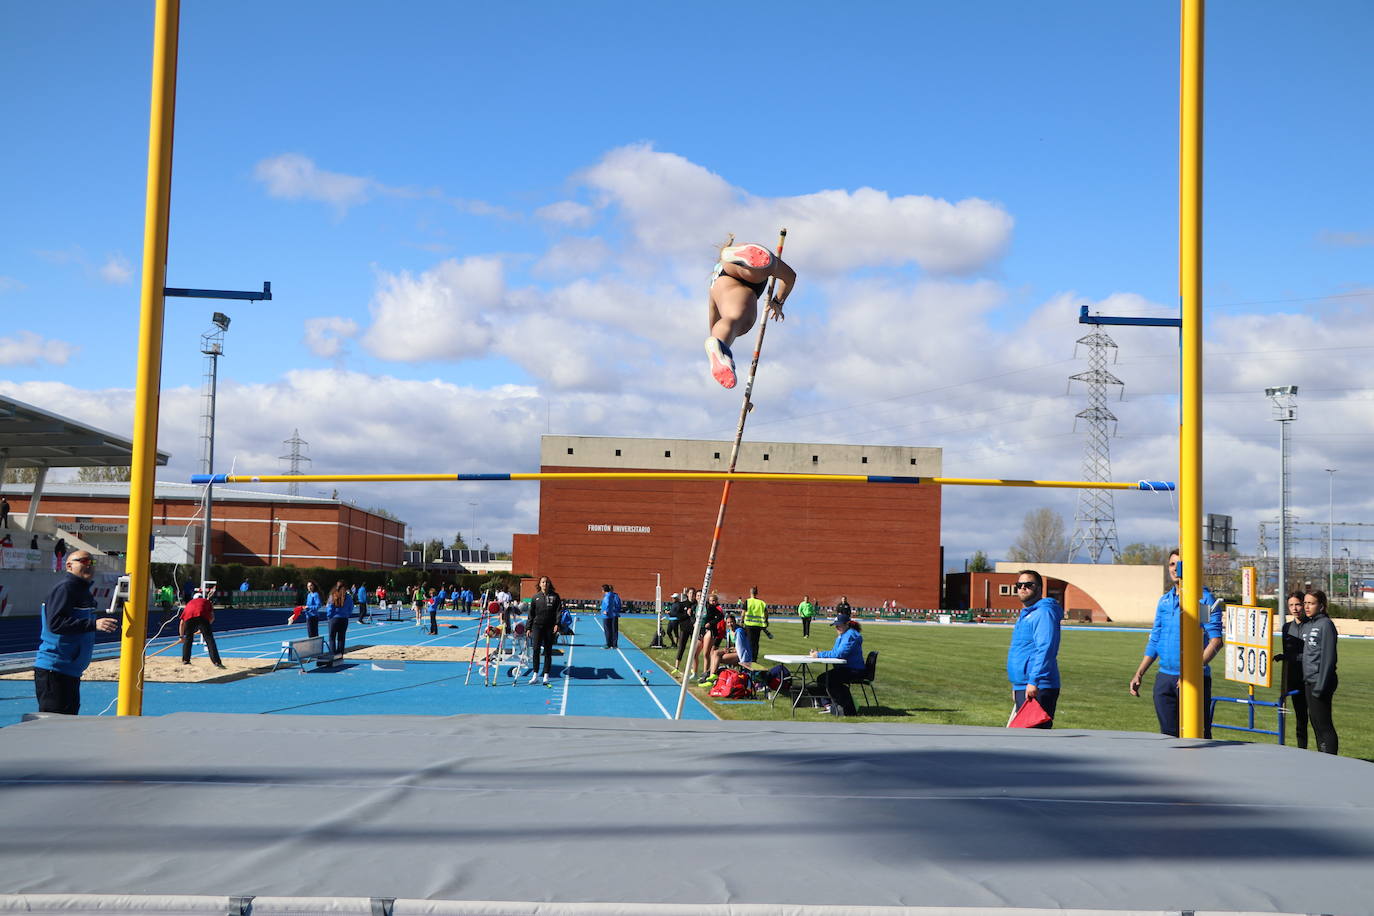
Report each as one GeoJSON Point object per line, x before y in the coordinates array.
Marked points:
{"type": "Point", "coordinates": [1033, 657]}
{"type": "Point", "coordinates": [70, 623]}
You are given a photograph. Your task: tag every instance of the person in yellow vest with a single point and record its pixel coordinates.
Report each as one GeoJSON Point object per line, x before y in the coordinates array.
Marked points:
{"type": "Point", "coordinates": [755, 619]}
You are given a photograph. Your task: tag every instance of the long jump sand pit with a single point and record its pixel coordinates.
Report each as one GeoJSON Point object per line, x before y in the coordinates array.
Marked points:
{"type": "Point", "coordinates": [168, 670]}
{"type": "Point", "coordinates": [418, 653]}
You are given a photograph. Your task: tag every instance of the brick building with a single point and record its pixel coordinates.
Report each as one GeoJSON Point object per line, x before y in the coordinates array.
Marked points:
{"type": "Point", "coordinates": [993, 591]}
{"type": "Point", "coordinates": [872, 542]}
{"type": "Point", "coordinates": [251, 528]}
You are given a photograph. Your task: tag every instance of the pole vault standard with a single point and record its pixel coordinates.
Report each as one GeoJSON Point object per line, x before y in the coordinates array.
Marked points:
{"type": "Point", "coordinates": [746, 405]}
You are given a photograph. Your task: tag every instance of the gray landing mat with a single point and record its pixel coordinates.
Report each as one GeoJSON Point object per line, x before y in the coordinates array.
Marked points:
{"type": "Point", "coordinates": [516, 814]}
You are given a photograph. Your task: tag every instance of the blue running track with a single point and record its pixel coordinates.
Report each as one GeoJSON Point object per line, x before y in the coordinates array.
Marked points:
{"type": "Point", "coordinates": [587, 680]}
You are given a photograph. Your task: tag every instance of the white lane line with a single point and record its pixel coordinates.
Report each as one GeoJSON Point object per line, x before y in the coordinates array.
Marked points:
{"type": "Point", "coordinates": [567, 681]}
{"type": "Point", "coordinates": [634, 672]}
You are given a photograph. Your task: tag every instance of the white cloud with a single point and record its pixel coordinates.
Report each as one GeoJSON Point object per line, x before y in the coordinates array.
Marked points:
{"type": "Point", "coordinates": [9, 284]}
{"type": "Point", "coordinates": [447, 313]}
{"type": "Point", "coordinates": [567, 213]}
{"type": "Point", "coordinates": [675, 207]}
{"type": "Point", "coordinates": [291, 176]}
{"type": "Point", "coordinates": [116, 270]}
{"type": "Point", "coordinates": [325, 337]}
{"type": "Point", "coordinates": [25, 348]}
{"type": "Point", "coordinates": [574, 255]}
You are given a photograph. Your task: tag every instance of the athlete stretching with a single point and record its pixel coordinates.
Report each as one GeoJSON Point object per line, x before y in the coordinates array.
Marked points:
{"type": "Point", "coordinates": [739, 278]}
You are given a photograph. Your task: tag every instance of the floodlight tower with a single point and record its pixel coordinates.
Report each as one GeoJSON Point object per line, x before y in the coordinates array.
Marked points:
{"type": "Point", "coordinates": [295, 458]}
{"type": "Point", "coordinates": [1330, 531]}
{"type": "Point", "coordinates": [1096, 515]}
{"type": "Point", "coordinates": [1285, 411]}
{"type": "Point", "coordinates": [212, 345]}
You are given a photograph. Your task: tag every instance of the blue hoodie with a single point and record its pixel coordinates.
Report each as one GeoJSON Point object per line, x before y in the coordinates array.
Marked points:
{"type": "Point", "coordinates": [345, 611]}
{"type": "Point", "coordinates": [1034, 653]}
{"type": "Point", "coordinates": [312, 606]}
{"type": "Point", "coordinates": [1166, 636]}
{"type": "Point", "coordinates": [68, 634]}
{"type": "Point", "coordinates": [849, 646]}
{"type": "Point", "coordinates": [610, 605]}
{"type": "Point", "coordinates": [742, 646]}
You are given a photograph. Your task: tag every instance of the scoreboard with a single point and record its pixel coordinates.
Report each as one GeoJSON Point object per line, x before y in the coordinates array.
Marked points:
{"type": "Point", "coordinates": [1249, 644]}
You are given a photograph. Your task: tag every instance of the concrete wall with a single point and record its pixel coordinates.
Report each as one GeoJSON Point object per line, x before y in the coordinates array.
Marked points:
{"type": "Point", "coordinates": [1126, 594]}
{"type": "Point", "coordinates": [619, 454]}
{"type": "Point", "coordinates": [1349, 626]}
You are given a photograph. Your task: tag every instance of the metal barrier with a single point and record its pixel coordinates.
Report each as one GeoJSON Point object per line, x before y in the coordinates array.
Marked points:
{"type": "Point", "coordinates": [1251, 703]}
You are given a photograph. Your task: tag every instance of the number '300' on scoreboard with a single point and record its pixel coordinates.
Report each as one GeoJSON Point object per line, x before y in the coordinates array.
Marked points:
{"type": "Point", "coordinates": [1249, 644]}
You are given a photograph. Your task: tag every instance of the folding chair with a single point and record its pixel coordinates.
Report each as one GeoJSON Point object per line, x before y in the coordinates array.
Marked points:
{"type": "Point", "coordinates": [865, 683]}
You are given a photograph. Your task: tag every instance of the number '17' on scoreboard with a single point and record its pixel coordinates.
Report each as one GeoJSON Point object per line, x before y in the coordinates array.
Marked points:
{"type": "Point", "coordinates": [1249, 643]}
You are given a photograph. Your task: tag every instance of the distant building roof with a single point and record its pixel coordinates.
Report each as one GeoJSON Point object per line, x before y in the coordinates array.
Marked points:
{"type": "Point", "coordinates": [31, 437]}
{"type": "Point", "coordinates": [163, 490]}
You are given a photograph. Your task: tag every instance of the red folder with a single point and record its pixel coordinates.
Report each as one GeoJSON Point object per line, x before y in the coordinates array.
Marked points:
{"type": "Point", "coordinates": [1030, 715]}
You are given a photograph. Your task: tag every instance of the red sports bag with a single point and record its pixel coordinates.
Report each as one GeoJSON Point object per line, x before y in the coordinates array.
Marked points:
{"type": "Point", "coordinates": [730, 684]}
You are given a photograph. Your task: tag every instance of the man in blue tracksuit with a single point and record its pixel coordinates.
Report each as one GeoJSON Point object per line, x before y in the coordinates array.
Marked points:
{"type": "Point", "coordinates": [68, 637]}
{"type": "Point", "coordinates": [610, 616]}
{"type": "Point", "coordinates": [1033, 657]}
{"type": "Point", "coordinates": [1166, 644]}
{"type": "Point", "coordinates": [360, 600]}
{"type": "Point", "coordinates": [314, 609]}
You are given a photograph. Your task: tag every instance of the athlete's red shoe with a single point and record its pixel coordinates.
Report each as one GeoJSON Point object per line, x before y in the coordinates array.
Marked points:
{"type": "Point", "coordinates": [722, 362]}
{"type": "Point", "coordinates": [751, 255]}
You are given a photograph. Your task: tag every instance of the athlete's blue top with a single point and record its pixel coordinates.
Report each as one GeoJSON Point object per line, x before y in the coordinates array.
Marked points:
{"type": "Point", "coordinates": [849, 646]}
{"type": "Point", "coordinates": [1166, 638]}
{"type": "Point", "coordinates": [610, 605]}
{"type": "Point", "coordinates": [1033, 657]}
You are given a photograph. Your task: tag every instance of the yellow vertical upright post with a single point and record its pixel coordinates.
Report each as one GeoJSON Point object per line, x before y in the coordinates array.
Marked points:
{"type": "Point", "coordinates": [1191, 718]}
{"type": "Point", "coordinates": [162, 113]}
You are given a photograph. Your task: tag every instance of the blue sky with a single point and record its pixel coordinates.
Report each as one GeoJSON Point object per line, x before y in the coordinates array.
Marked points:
{"type": "Point", "coordinates": [481, 222]}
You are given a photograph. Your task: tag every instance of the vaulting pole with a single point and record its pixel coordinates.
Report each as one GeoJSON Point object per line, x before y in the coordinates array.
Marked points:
{"type": "Point", "coordinates": [1191, 714]}
{"type": "Point", "coordinates": [745, 406]}
{"type": "Point", "coordinates": [142, 460]}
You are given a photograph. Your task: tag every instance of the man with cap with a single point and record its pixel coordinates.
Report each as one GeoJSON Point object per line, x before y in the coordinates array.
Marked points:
{"type": "Point", "coordinates": [835, 681]}
{"type": "Point", "coordinates": [70, 623]}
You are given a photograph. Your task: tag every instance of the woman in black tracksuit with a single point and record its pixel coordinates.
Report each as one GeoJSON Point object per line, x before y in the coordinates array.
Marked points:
{"type": "Point", "coordinates": [1318, 635]}
{"type": "Point", "coordinates": [686, 619]}
{"type": "Point", "coordinates": [545, 608]}
{"type": "Point", "coordinates": [1292, 667]}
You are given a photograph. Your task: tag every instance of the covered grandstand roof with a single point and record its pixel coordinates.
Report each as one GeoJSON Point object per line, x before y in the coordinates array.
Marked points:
{"type": "Point", "coordinates": [31, 437]}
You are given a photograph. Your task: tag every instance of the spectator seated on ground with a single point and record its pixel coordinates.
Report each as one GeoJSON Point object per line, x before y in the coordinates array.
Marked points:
{"type": "Point", "coordinates": [738, 655]}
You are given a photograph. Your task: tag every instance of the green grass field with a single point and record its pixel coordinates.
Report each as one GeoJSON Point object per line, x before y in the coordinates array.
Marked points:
{"type": "Point", "coordinates": [955, 675]}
